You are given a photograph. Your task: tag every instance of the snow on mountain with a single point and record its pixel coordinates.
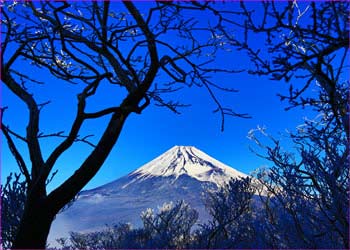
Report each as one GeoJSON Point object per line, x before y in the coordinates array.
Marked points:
{"type": "Point", "coordinates": [181, 173]}
{"type": "Point", "coordinates": [188, 160]}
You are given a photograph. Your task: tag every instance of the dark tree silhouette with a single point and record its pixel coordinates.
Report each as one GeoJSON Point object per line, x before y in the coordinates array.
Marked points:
{"type": "Point", "coordinates": [309, 43]}
{"type": "Point", "coordinates": [230, 209]}
{"type": "Point", "coordinates": [90, 43]}
{"type": "Point", "coordinates": [306, 44]}
{"type": "Point", "coordinates": [13, 196]}
{"type": "Point", "coordinates": [170, 227]}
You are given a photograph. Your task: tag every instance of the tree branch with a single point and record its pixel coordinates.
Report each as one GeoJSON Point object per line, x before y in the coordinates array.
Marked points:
{"type": "Point", "coordinates": [33, 123]}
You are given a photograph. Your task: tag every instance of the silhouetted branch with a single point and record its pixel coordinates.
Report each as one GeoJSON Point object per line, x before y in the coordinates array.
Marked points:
{"type": "Point", "coordinates": [19, 159]}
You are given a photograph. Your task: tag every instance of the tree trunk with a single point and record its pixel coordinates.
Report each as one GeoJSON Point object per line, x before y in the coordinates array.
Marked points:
{"type": "Point", "coordinates": [34, 229]}
{"type": "Point", "coordinates": [36, 220]}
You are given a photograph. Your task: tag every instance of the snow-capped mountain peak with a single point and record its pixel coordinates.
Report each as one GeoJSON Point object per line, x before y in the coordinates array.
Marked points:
{"type": "Point", "coordinates": [178, 174]}
{"type": "Point", "coordinates": [187, 160]}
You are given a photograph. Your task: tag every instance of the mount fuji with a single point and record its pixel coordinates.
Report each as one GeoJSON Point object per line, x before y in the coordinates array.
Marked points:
{"type": "Point", "coordinates": [181, 173]}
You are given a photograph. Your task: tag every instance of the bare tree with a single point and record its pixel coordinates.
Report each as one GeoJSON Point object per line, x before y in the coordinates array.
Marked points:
{"type": "Point", "coordinates": [91, 43]}
{"type": "Point", "coordinates": [13, 196]}
{"type": "Point", "coordinates": [307, 45]}
{"type": "Point", "coordinates": [311, 185]}
{"type": "Point", "coordinates": [230, 208]}
{"type": "Point", "coordinates": [170, 227]}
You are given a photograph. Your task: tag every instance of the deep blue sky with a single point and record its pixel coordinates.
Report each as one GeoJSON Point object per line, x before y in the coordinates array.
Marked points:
{"type": "Point", "coordinates": [146, 136]}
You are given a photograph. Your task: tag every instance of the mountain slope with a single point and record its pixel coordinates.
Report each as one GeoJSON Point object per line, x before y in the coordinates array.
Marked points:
{"type": "Point", "coordinates": [182, 172]}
